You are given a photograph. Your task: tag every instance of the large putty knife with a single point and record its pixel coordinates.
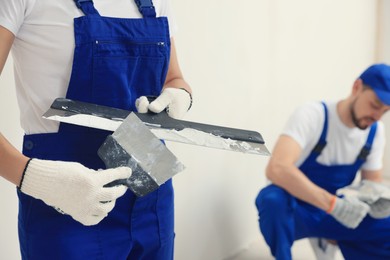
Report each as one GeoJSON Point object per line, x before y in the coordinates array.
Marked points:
{"type": "Point", "coordinates": [163, 126]}
{"type": "Point", "coordinates": [134, 145]}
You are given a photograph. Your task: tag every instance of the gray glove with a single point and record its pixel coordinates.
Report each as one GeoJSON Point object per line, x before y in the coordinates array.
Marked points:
{"type": "Point", "coordinates": [370, 191]}
{"type": "Point", "coordinates": [377, 196]}
{"type": "Point", "coordinates": [380, 209]}
{"type": "Point", "coordinates": [349, 211]}
{"type": "Point", "coordinates": [373, 193]}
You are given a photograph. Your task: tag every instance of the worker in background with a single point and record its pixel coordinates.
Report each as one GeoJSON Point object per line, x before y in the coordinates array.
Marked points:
{"type": "Point", "coordinates": [322, 148]}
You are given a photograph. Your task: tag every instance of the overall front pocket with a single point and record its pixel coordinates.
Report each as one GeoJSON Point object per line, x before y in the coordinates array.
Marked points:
{"type": "Point", "coordinates": [123, 71]}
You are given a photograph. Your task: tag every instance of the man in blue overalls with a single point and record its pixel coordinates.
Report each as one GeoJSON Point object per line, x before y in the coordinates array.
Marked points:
{"type": "Point", "coordinates": [321, 150]}
{"type": "Point", "coordinates": [116, 61]}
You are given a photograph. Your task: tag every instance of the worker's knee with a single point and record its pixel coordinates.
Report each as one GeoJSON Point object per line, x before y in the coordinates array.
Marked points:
{"type": "Point", "coordinates": [273, 199]}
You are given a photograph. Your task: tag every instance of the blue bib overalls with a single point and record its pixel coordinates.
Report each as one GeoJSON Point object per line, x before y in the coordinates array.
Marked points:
{"type": "Point", "coordinates": [284, 218]}
{"type": "Point", "coordinates": [116, 60]}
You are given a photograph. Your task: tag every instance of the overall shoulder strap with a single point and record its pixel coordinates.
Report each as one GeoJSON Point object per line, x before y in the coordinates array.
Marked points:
{"type": "Point", "coordinates": [322, 141]}
{"type": "Point", "coordinates": [365, 151]}
{"type": "Point", "coordinates": [146, 8]}
{"type": "Point", "coordinates": [87, 7]}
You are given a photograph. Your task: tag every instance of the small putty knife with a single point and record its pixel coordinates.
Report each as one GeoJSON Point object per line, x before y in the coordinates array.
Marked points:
{"type": "Point", "coordinates": [135, 146]}
{"type": "Point", "coordinates": [163, 126]}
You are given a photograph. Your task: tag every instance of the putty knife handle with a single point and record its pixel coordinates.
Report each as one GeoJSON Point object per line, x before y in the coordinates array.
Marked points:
{"type": "Point", "coordinates": [117, 182]}
{"type": "Point", "coordinates": [151, 98]}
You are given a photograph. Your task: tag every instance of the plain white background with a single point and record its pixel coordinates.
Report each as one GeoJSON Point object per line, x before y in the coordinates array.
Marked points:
{"type": "Point", "coordinates": [250, 63]}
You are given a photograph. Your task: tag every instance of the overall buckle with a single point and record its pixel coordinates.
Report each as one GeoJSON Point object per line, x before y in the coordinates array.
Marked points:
{"type": "Point", "coordinates": [144, 4]}
{"type": "Point", "coordinates": [78, 2]}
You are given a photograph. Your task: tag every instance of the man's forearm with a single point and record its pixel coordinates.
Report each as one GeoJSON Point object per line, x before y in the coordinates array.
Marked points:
{"type": "Point", "coordinates": [297, 184]}
{"type": "Point", "coordinates": [12, 162]}
{"type": "Point", "coordinates": [375, 176]}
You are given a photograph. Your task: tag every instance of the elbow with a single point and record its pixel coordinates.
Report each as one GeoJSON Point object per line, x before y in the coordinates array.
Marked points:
{"type": "Point", "coordinates": [274, 172]}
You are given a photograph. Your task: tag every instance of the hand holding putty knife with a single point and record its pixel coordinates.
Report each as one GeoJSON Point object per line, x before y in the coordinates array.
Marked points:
{"type": "Point", "coordinates": [162, 126]}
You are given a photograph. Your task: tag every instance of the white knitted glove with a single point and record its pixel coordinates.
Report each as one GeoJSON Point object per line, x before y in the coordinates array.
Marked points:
{"type": "Point", "coordinates": [74, 189]}
{"type": "Point", "coordinates": [176, 101]}
{"type": "Point", "coordinates": [349, 211]}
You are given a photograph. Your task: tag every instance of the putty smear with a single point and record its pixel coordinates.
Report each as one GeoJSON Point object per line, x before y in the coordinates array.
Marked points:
{"type": "Point", "coordinates": [88, 120]}
{"type": "Point", "coordinates": [196, 137]}
{"type": "Point", "coordinates": [187, 135]}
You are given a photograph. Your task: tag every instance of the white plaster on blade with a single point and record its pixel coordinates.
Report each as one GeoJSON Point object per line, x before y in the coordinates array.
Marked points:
{"type": "Point", "coordinates": [187, 135]}
{"type": "Point", "coordinates": [196, 137]}
{"type": "Point", "coordinates": [88, 120]}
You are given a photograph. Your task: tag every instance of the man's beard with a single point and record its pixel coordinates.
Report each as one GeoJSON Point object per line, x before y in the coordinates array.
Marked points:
{"type": "Point", "coordinates": [358, 121]}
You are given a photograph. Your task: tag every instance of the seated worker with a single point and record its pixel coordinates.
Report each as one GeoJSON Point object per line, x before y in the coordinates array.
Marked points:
{"type": "Point", "coordinates": [321, 150]}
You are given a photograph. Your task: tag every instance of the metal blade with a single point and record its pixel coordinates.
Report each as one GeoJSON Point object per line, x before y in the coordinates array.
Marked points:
{"type": "Point", "coordinates": [133, 145]}
{"type": "Point", "coordinates": [83, 119]}
{"type": "Point", "coordinates": [145, 148]}
{"type": "Point", "coordinates": [164, 127]}
{"type": "Point", "coordinates": [197, 137]}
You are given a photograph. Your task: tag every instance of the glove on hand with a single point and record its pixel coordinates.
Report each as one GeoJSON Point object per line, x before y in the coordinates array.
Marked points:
{"type": "Point", "coordinates": [367, 191]}
{"type": "Point", "coordinates": [375, 194]}
{"type": "Point", "coordinates": [380, 209]}
{"type": "Point", "coordinates": [349, 211]}
{"type": "Point", "coordinates": [176, 101]}
{"type": "Point", "coordinates": [73, 188]}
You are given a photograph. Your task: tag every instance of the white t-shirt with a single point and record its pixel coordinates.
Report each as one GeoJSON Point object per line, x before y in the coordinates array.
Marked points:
{"type": "Point", "coordinates": [43, 49]}
{"type": "Point", "coordinates": [343, 143]}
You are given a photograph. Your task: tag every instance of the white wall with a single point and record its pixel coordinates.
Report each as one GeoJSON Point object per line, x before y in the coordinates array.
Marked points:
{"type": "Point", "coordinates": [9, 127]}
{"type": "Point", "coordinates": [250, 63]}
{"type": "Point", "coordinates": [384, 56]}
{"type": "Point", "coordinates": [262, 58]}
{"type": "Point", "coordinates": [384, 31]}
